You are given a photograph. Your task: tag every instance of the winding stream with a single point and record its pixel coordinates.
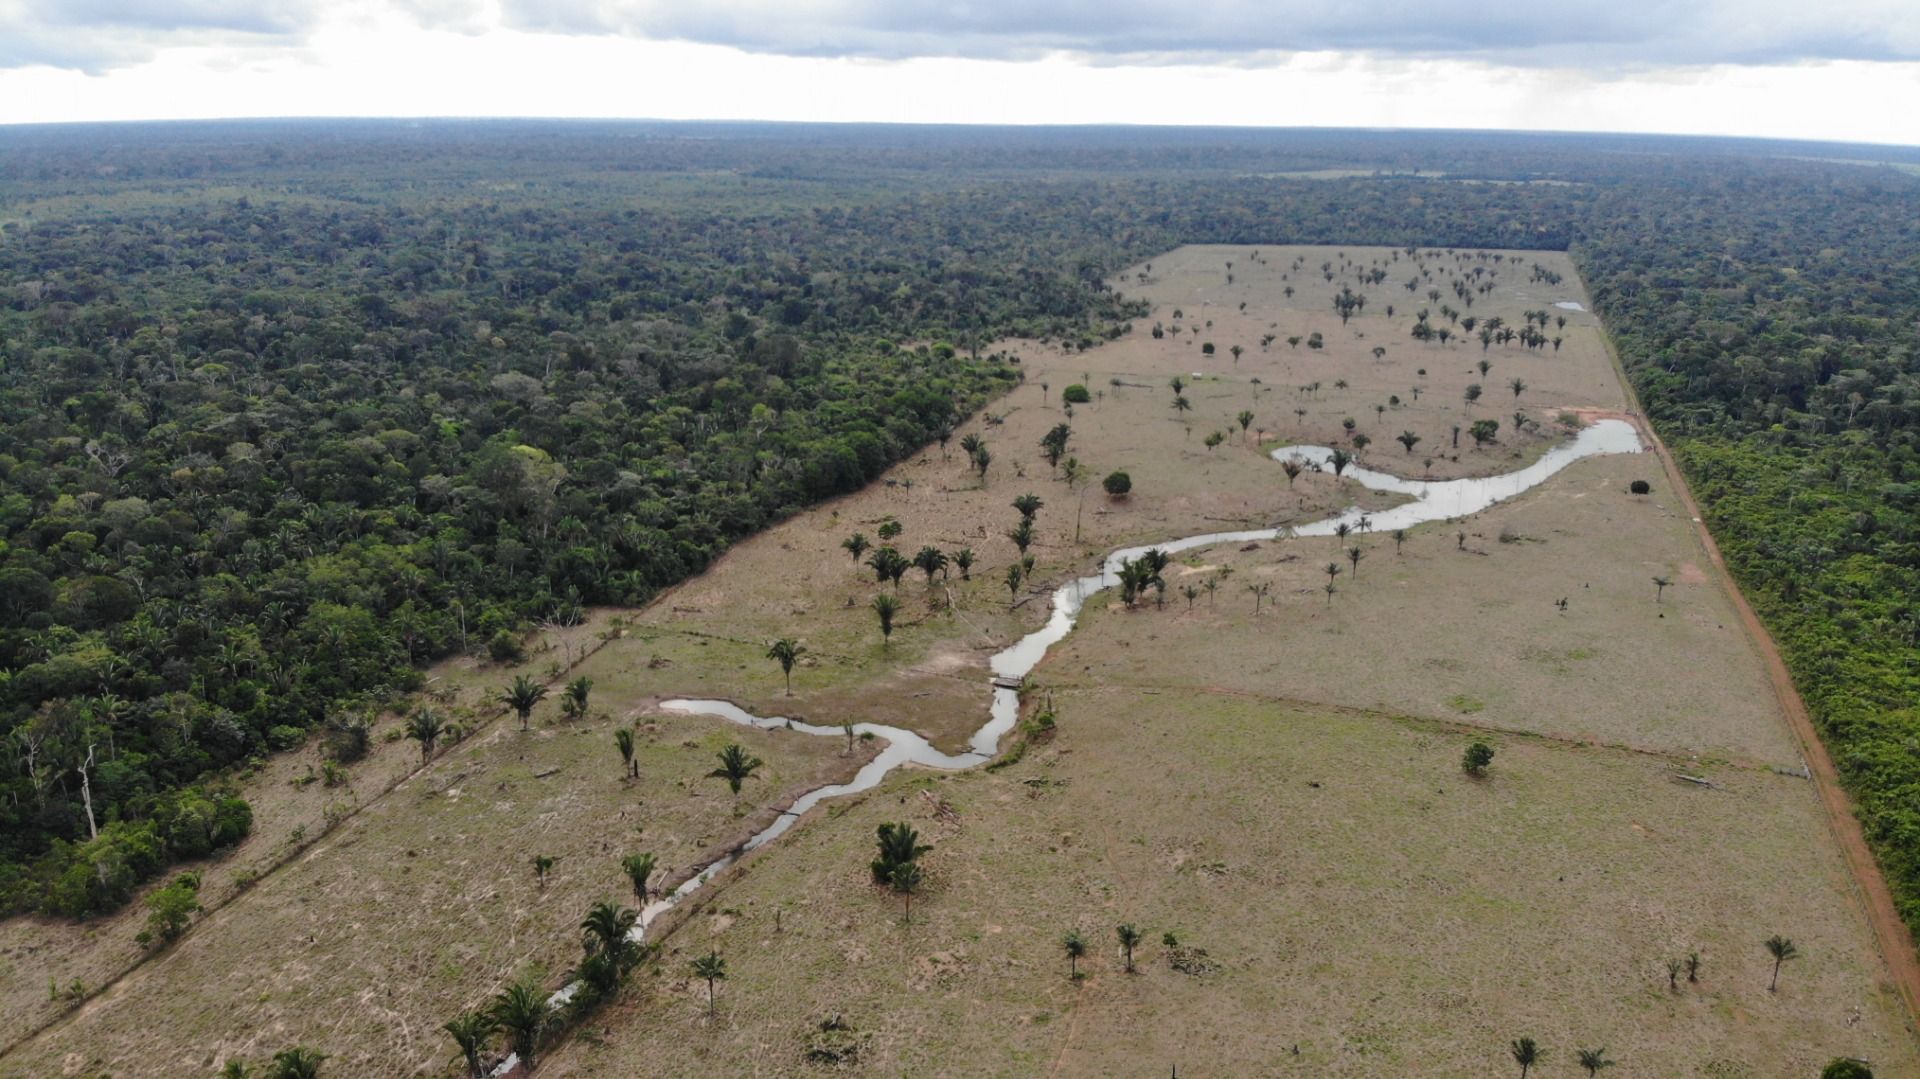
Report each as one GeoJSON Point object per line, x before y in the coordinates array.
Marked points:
{"type": "Point", "coordinates": [1429, 500]}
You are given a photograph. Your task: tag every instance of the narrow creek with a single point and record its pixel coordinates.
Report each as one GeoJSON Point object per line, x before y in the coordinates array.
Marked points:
{"type": "Point", "coordinates": [1429, 500]}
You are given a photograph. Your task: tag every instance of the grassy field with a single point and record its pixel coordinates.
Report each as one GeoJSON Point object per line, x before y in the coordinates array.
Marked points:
{"type": "Point", "coordinates": [1356, 896]}
{"type": "Point", "coordinates": [1281, 790]}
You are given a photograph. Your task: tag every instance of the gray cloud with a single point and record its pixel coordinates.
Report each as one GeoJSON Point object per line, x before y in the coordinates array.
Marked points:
{"type": "Point", "coordinates": [94, 35]}
{"type": "Point", "coordinates": [1577, 33]}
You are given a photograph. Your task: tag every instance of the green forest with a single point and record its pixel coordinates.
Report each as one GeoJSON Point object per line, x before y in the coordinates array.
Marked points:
{"type": "Point", "coordinates": [289, 410]}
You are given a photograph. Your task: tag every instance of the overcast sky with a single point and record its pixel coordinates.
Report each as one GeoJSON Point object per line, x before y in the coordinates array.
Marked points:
{"type": "Point", "coordinates": [1840, 69]}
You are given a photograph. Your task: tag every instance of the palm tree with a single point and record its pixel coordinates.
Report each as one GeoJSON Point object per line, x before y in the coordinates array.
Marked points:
{"type": "Point", "coordinates": [898, 844]}
{"type": "Point", "coordinates": [1409, 440]}
{"type": "Point", "coordinates": [885, 607]}
{"type": "Point", "coordinates": [1594, 1059]}
{"type": "Point", "coordinates": [1693, 966]}
{"type": "Point", "coordinates": [1354, 555]}
{"type": "Point", "coordinates": [963, 558]}
{"type": "Point", "coordinates": [930, 560]}
{"type": "Point", "coordinates": [1022, 535]}
{"type": "Point", "coordinates": [1028, 505]}
{"type": "Point", "coordinates": [906, 878]}
{"type": "Point", "coordinates": [1014, 576]}
{"type": "Point", "coordinates": [736, 767]}
{"type": "Point", "coordinates": [426, 727]}
{"type": "Point", "coordinates": [1519, 387]}
{"type": "Point", "coordinates": [1660, 586]}
{"type": "Point", "coordinates": [1075, 947]}
{"type": "Point", "coordinates": [623, 738]}
{"type": "Point", "coordinates": [1399, 537]}
{"type": "Point", "coordinates": [1782, 950]}
{"type": "Point", "coordinates": [542, 865]}
{"type": "Point", "coordinates": [522, 695]}
{"type": "Point", "coordinates": [639, 868]}
{"type": "Point", "coordinates": [1129, 937]}
{"type": "Point", "coordinates": [470, 1031]}
{"type": "Point", "coordinates": [712, 968]}
{"type": "Point", "coordinates": [607, 933]}
{"type": "Point", "coordinates": [573, 701]}
{"type": "Point", "coordinates": [785, 652]}
{"type": "Point", "coordinates": [1526, 1054]}
{"type": "Point", "coordinates": [1339, 459]}
{"type": "Point", "coordinates": [856, 545]}
{"type": "Point", "coordinates": [521, 1010]}
{"type": "Point", "coordinates": [1181, 404]}
{"type": "Point", "coordinates": [237, 1069]}
{"type": "Point", "coordinates": [298, 1062]}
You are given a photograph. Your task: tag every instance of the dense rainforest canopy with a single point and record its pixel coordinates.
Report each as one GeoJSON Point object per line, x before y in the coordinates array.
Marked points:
{"type": "Point", "coordinates": [290, 409]}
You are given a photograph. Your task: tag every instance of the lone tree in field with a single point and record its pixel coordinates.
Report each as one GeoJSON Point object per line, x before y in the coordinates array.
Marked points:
{"type": "Point", "coordinates": [521, 1010]}
{"type": "Point", "coordinates": [930, 560]}
{"type": "Point", "coordinates": [521, 696]}
{"type": "Point", "coordinates": [1245, 419]}
{"type": "Point", "coordinates": [1476, 759]}
{"type": "Point", "coordinates": [471, 1031]}
{"type": "Point", "coordinates": [711, 968]}
{"type": "Point", "coordinates": [885, 607]}
{"type": "Point", "coordinates": [426, 727]}
{"type": "Point", "coordinates": [623, 741]}
{"type": "Point", "coordinates": [1053, 444]}
{"type": "Point", "coordinates": [639, 869]}
{"type": "Point", "coordinates": [573, 699]}
{"type": "Point", "coordinates": [1028, 505]}
{"type": "Point", "coordinates": [1117, 484]}
{"type": "Point", "coordinates": [1129, 936]}
{"type": "Point", "coordinates": [1075, 947]}
{"type": "Point", "coordinates": [1472, 394]}
{"type": "Point", "coordinates": [856, 545]}
{"type": "Point", "coordinates": [1526, 1053]}
{"type": "Point", "coordinates": [1518, 387]}
{"type": "Point", "coordinates": [1660, 586]}
{"type": "Point", "coordinates": [906, 880]}
{"type": "Point", "coordinates": [1594, 1059]}
{"type": "Point", "coordinates": [1354, 555]}
{"type": "Point", "coordinates": [1022, 534]}
{"type": "Point", "coordinates": [542, 865]}
{"type": "Point", "coordinates": [1293, 466]}
{"type": "Point", "coordinates": [786, 652]}
{"type": "Point", "coordinates": [1782, 950]}
{"type": "Point", "coordinates": [1409, 440]}
{"type": "Point", "coordinates": [898, 845]}
{"type": "Point", "coordinates": [736, 767]}
{"type": "Point", "coordinates": [1399, 538]}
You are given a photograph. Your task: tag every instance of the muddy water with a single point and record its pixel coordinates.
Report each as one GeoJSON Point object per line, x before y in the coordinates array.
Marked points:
{"type": "Point", "coordinates": [1437, 500]}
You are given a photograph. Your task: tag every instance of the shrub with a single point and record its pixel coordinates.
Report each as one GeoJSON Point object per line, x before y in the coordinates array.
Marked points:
{"type": "Point", "coordinates": [1640, 487]}
{"type": "Point", "coordinates": [1118, 484]}
{"type": "Point", "coordinates": [1476, 758]}
{"type": "Point", "coordinates": [504, 647]}
{"type": "Point", "coordinates": [1844, 1068]}
{"type": "Point", "coordinates": [1076, 394]}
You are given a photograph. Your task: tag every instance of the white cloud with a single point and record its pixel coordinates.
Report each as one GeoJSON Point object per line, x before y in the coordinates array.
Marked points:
{"type": "Point", "coordinates": [452, 58]}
